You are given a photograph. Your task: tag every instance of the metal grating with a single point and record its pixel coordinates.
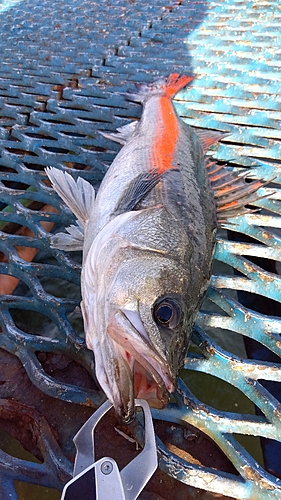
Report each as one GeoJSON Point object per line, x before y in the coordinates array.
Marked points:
{"type": "Point", "coordinates": [63, 68]}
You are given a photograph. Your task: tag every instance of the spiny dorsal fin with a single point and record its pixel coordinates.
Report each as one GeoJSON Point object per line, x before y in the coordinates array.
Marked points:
{"type": "Point", "coordinates": [79, 196]}
{"type": "Point", "coordinates": [232, 193]}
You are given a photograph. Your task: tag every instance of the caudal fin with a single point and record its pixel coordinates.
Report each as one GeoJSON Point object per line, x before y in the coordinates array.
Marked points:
{"type": "Point", "coordinates": [163, 86]}
{"type": "Point", "coordinates": [175, 83]}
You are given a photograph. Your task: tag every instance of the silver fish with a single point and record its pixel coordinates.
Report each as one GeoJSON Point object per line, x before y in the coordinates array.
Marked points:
{"type": "Point", "coordinates": [148, 240]}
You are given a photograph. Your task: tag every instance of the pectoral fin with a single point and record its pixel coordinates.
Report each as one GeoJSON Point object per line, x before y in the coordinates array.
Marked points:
{"type": "Point", "coordinates": [137, 189]}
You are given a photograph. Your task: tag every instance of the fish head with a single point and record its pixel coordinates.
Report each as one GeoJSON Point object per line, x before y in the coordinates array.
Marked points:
{"type": "Point", "coordinates": [146, 322]}
{"type": "Point", "coordinates": [141, 346]}
{"type": "Point", "coordinates": [138, 312]}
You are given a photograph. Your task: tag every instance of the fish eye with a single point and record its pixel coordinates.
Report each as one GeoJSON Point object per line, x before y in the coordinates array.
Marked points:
{"type": "Point", "coordinates": [167, 313]}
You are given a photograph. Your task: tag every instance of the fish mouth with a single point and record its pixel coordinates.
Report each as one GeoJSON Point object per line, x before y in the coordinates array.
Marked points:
{"type": "Point", "coordinates": [145, 387]}
{"type": "Point", "coordinates": [151, 377]}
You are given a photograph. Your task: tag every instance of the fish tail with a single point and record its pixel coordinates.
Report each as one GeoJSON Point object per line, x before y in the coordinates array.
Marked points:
{"type": "Point", "coordinates": [164, 87]}
{"type": "Point", "coordinates": [175, 82]}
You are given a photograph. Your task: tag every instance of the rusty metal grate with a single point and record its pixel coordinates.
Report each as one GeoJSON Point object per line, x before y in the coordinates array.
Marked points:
{"type": "Point", "coordinates": [62, 72]}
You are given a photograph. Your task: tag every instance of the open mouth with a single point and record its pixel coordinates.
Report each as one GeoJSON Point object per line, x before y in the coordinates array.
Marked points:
{"type": "Point", "coordinates": [152, 378]}
{"type": "Point", "coordinates": [146, 388]}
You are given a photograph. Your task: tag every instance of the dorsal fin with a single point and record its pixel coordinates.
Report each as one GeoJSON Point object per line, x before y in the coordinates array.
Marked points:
{"type": "Point", "coordinates": [232, 192]}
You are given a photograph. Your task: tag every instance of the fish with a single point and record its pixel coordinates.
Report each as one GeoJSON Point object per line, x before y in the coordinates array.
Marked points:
{"type": "Point", "coordinates": [148, 239]}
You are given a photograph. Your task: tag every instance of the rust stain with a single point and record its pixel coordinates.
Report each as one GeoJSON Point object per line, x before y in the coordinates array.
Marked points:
{"type": "Point", "coordinates": [261, 367]}
{"type": "Point", "coordinates": [249, 267]}
{"type": "Point", "coordinates": [253, 475]}
{"type": "Point", "coordinates": [238, 367]}
{"type": "Point", "coordinates": [210, 349]}
{"type": "Point", "coordinates": [266, 277]}
{"type": "Point", "coordinates": [267, 236]}
{"type": "Point", "coordinates": [183, 454]}
{"type": "Point", "coordinates": [90, 404]}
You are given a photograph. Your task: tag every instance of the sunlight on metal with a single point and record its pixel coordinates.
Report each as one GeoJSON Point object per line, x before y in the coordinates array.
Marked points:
{"type": "Point", "coordinates": [7, 4]}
